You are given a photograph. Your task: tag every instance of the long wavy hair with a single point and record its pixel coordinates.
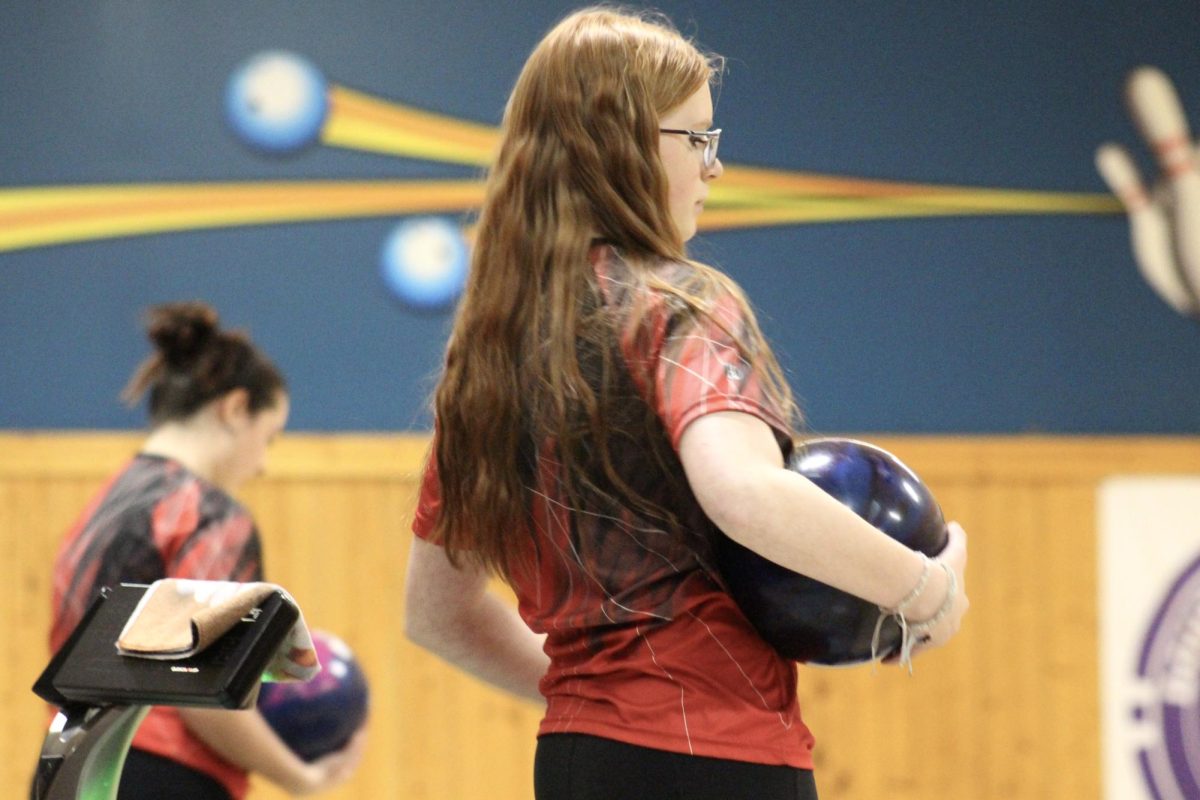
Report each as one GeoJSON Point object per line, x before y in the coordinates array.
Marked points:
{"type": "Point", "coordinates": [578, 161]}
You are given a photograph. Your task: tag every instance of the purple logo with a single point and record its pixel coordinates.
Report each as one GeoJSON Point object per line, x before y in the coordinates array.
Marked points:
{"type": "Point", "coordinates": [1169, 667]}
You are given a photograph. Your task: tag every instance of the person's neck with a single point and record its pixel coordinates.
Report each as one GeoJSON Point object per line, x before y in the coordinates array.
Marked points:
{"type": "Point", "coordinates": [190, 445]}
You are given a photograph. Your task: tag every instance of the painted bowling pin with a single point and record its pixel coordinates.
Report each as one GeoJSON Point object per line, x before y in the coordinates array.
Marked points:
{"type": "Point", "coordinates": [1150, 229]}
{"type": "Point", "coordinates": [1156, 109]}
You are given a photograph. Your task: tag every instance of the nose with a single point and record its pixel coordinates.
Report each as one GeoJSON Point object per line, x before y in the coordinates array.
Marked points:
{"type": "Point", "coordinates": [715, 171]}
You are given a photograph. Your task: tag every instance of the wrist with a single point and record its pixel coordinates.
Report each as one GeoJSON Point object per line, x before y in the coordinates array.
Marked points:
{"type": "Point", "coordinates": [922, 629]}
{"type": "Point", "coordinates": [930, 601]}
{"type": "Point", "coordinates": [305, 780]}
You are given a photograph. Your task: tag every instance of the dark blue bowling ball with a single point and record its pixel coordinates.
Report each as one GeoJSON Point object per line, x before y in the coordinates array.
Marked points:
{"type": "Point", "coordinates": [806, 620]}
{"type": "Point", "coordinates": [319, 716]}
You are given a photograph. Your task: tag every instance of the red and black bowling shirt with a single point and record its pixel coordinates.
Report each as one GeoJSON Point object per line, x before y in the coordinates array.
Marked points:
{"type": "Point", "coordinates": [645, 646]}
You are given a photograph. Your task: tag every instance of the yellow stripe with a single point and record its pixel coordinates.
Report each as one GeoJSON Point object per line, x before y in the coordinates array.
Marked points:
{"type": "Point", "coordinates": [72, 214]}
{"type": "Point", "coordinates": [365, 136]}
{"type": "Point", "coordinates": [963, 200]}
{"type": "Point", "coordinates": [361, 122]}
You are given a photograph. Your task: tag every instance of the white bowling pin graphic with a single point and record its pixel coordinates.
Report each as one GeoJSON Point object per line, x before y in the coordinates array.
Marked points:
{"type": "Point", "coordinates": [1156, 109]}
{"type": "Point", "coordinates": [1149, 229]}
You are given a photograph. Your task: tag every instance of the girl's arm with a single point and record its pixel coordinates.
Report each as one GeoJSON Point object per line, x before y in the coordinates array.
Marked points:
{"type": "Point", "coordinates": [244, 738]}
{"type": "Point", "coordinates": [450, 611]}
{"type": "Point", "coordinates": [736, 470]}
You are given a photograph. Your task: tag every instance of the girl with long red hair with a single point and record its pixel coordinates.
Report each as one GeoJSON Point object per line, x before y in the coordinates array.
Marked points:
{"type": "Point", "coordinates": [608, 407]}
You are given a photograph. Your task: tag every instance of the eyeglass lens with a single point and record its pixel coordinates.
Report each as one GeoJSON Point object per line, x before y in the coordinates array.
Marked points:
{"type": "Point", "coordinates": [710, 150]}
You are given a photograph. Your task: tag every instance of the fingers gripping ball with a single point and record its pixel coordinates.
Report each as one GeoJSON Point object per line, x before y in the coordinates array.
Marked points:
{"type": "Point", "coordinates": [804, 619]}
{"type": "Point", "coordinates": [319, 716]}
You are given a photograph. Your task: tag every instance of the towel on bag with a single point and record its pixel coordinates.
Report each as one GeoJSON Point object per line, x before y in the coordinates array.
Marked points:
{"type": "Point", "coordinates": [178, 618]}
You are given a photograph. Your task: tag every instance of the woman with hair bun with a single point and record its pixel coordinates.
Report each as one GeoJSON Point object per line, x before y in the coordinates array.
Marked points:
{"type": "Point", "coordinates": [607, 408]}
{"type": "Point", "coordinates": [215, 403]}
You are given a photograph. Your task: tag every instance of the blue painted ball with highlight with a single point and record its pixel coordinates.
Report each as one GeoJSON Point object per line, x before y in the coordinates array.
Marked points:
{"type": "Point", "coordinates": [424, 263]}
{"type": "Point", "coordinates": [277, 102]}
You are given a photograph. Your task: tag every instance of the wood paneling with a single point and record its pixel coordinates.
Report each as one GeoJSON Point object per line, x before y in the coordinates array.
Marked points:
{"type": "Point", "coordinates": [1010, 710]}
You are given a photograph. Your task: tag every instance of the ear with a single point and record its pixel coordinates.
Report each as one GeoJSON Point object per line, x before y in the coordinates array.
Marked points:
{"type": "Point", "coordinates": [234, 408]}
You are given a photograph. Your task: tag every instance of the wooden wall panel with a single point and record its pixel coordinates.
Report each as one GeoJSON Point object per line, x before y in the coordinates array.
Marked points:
{"type": "Point", "coordinates": [1009, 711]}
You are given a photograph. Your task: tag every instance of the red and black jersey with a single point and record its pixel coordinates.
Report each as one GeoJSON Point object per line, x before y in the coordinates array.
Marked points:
{"type": "Point", "coordinates": [155, 519]}
{"type": "Point", "coordinates": [645, 645]}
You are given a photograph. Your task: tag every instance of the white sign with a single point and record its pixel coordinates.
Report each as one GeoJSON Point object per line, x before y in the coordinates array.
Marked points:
{"type": "Point", "coordinates": [1149, 581]}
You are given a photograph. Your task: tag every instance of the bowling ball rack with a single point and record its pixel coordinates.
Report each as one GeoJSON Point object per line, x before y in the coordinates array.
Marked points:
{"type": "Point", "coordinates": [102, 696]}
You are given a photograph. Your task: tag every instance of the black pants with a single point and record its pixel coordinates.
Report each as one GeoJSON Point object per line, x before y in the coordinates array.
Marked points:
{"type": "Point", "coordinates": [150, 777]}
{"type": "Point", "coordinates": [571, 766]}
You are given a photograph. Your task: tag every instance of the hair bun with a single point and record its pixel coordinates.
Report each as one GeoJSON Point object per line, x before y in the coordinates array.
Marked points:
{"type": "Point", "coordinates": [181, 331]}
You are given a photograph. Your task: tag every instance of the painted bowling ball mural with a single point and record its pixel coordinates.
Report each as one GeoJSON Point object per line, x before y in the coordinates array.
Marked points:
{"type": "Point", "coordinates": [424, 263]}
{"type": "Point", "coordinates": [276, 102]}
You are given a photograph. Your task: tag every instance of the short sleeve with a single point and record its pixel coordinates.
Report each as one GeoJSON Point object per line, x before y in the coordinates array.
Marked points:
{"type": "Point", "coordinates": [429, 501]}
{"type": "Point", "coordinates": [700, 371]}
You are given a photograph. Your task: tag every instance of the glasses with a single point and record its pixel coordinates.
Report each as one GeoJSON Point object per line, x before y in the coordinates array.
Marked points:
{"type": "Point", "coordinates": [710, 139]}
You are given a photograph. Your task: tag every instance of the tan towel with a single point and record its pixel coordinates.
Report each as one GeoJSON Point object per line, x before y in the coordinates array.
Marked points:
{"type": "Point", "coordinates": [178, 618]}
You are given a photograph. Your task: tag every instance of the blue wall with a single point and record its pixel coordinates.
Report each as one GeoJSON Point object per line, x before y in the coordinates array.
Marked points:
{"type": "Point", "coordinates": [962, 324]}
